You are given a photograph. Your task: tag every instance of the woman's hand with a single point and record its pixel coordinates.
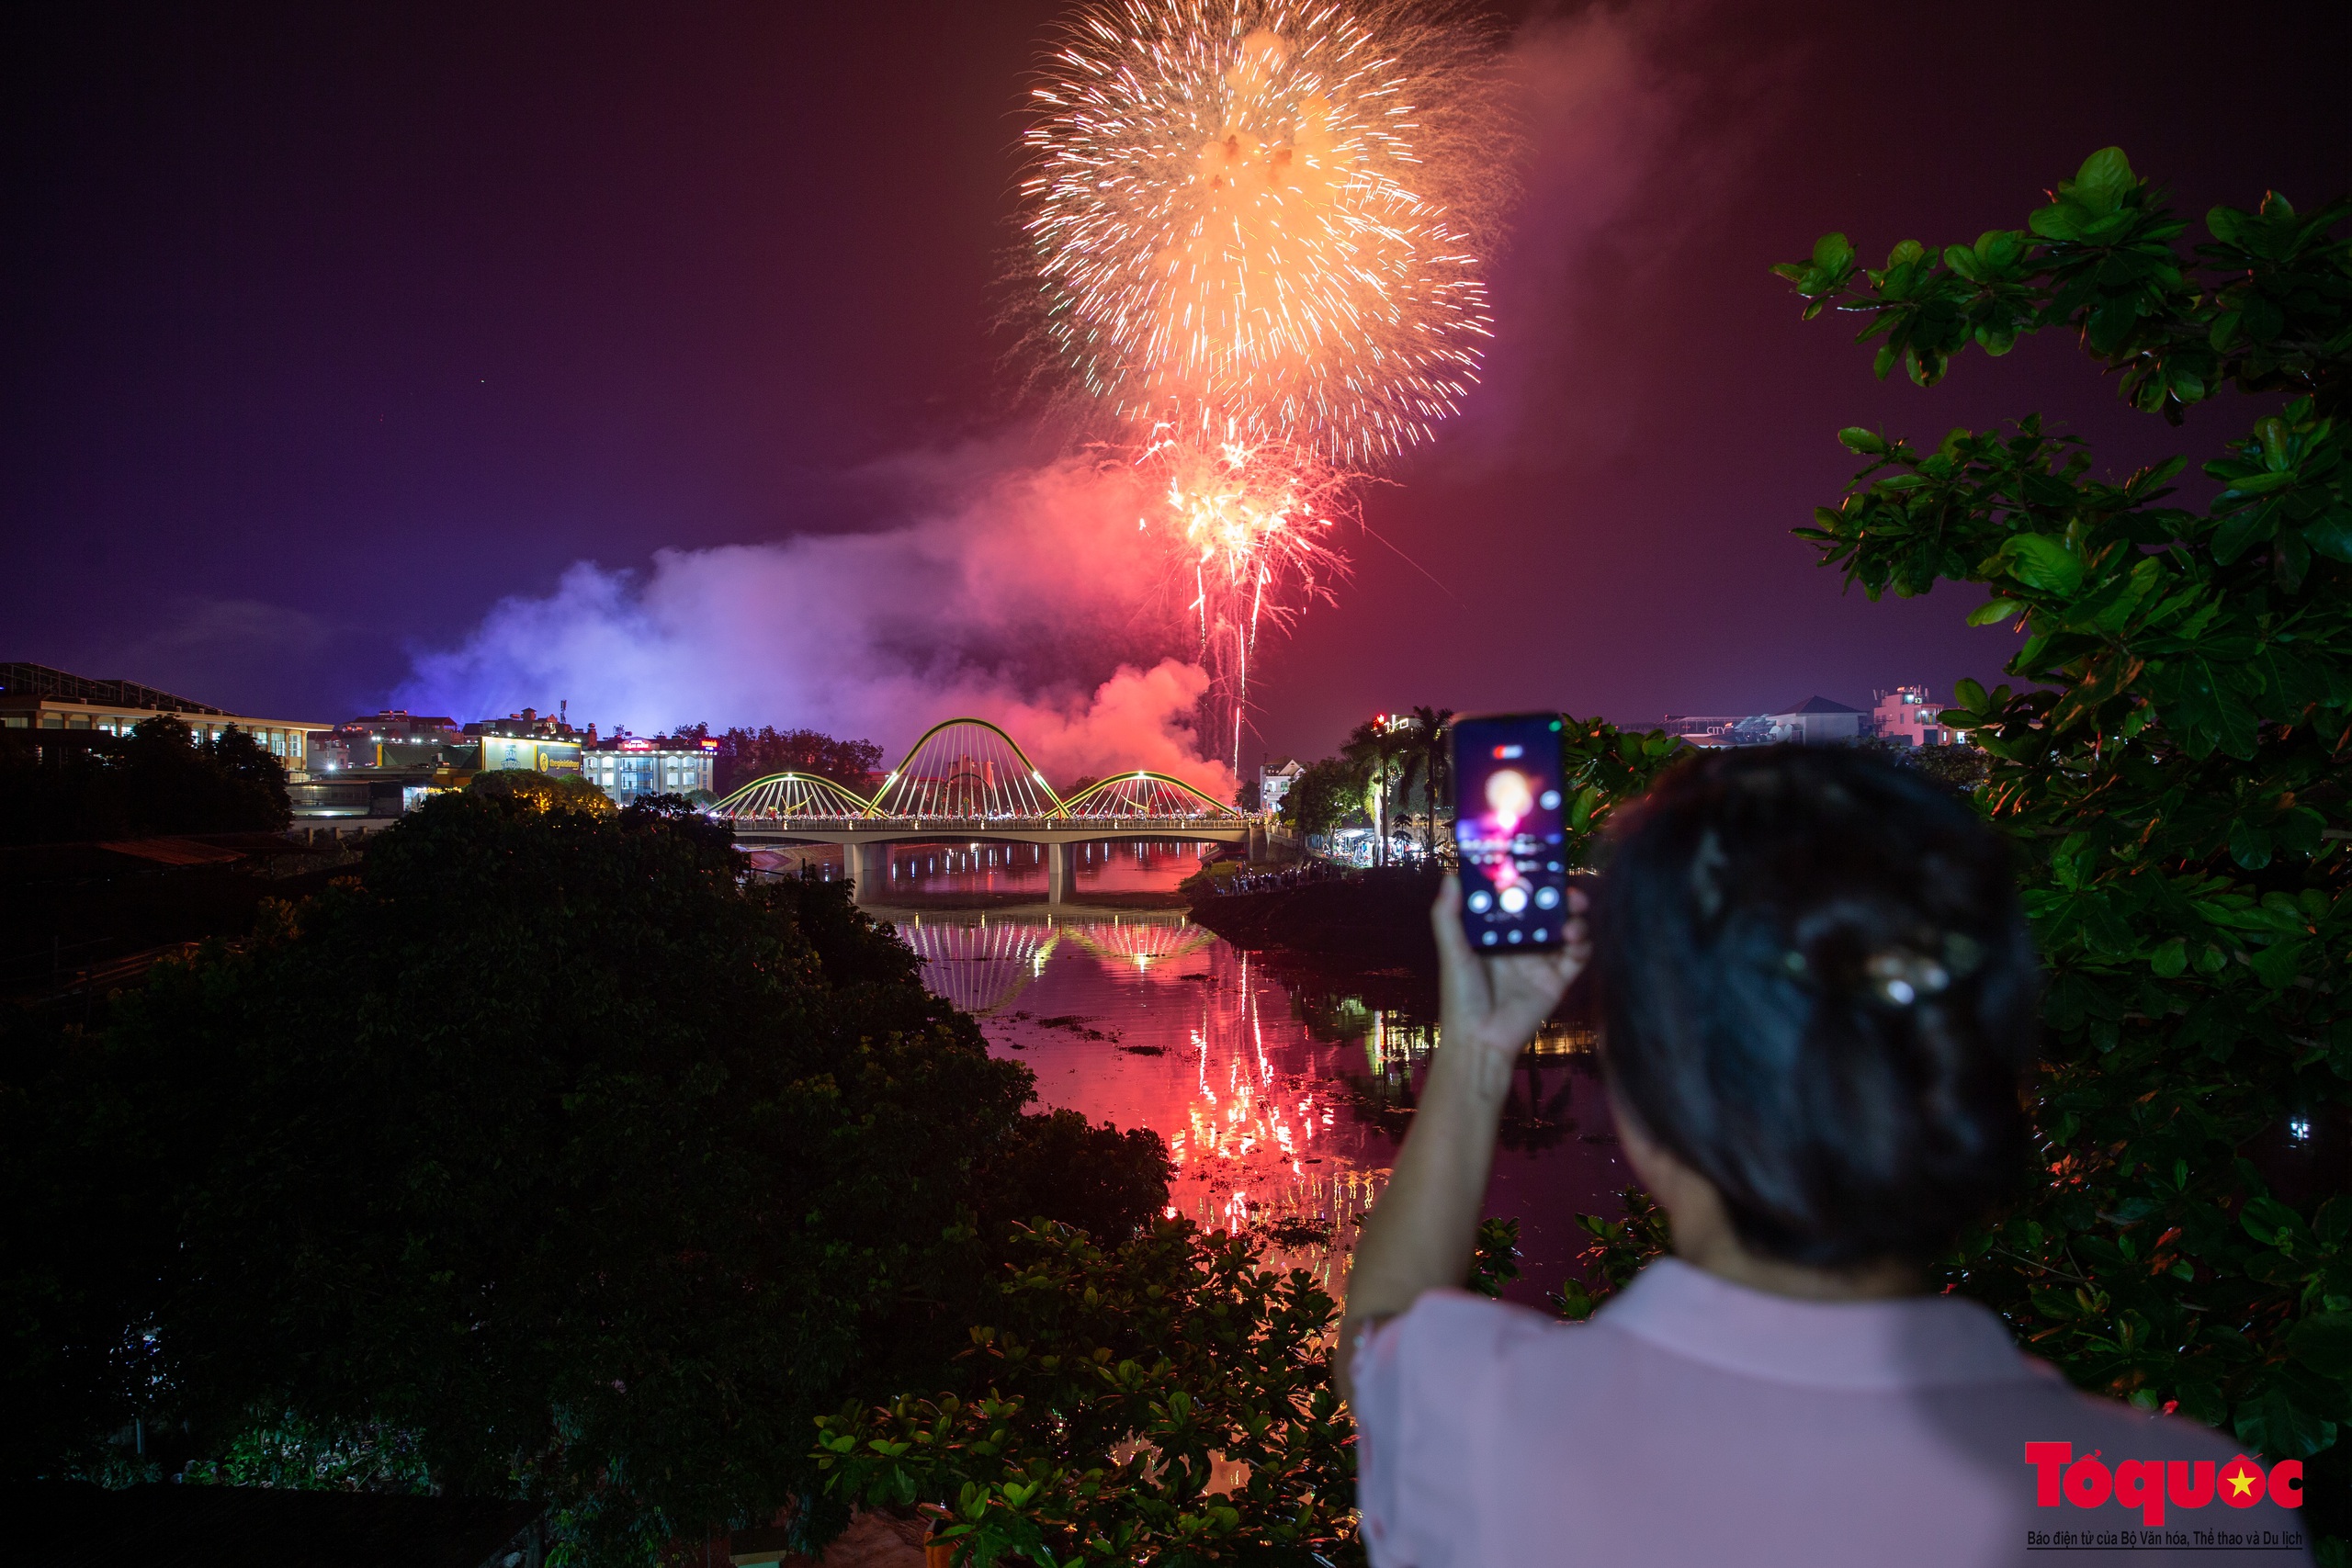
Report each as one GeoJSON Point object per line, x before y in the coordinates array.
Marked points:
{"type": "Point", "coordinates": [1490, 1007]}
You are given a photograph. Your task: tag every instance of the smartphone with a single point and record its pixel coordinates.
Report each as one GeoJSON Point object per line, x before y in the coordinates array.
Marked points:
{"type": "Point", "coordinates": [1508, 775]}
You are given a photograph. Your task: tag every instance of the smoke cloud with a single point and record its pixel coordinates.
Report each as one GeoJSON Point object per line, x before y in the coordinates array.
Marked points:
{"type": "Point", "coordinates": [1024, 595]}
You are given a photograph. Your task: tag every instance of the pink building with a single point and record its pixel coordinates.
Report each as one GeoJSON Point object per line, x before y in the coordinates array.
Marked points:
{"type": "Point", "coordinates": [1908, 714]}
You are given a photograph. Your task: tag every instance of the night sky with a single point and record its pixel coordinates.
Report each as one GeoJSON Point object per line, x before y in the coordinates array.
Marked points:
{"type": "Point", "coordinates": [329, 327]}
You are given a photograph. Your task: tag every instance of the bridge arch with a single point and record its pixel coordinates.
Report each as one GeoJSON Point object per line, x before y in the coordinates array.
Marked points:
{"type": "Point", "coordinates": [802, 795]}
{"type": "Point", "coordinates": [965, 768]}
{"type": "Point", "coordinates": [1144, 793]}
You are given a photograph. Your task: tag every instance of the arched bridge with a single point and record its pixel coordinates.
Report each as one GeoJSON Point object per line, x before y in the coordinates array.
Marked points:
{"type": "Point", "coordinates": [967, 780]}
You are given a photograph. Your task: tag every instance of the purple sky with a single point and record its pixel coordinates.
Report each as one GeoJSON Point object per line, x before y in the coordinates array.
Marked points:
{"type": "Point", "coordinates": [330, 327]}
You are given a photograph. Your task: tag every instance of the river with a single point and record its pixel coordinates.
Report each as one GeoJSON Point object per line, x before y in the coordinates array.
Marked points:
{"type": "Point", "coordinates": [1281, 1093]}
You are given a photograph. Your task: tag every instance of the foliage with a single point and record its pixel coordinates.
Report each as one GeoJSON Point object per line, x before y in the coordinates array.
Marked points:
{"type": "Point", "coordinates": [747, 754]}
{"type": "Point", "coordinates": [545, 792]}
{"type": "Point", "coordinates": [1380, 748]}
{"type": "Point", "coordinates": [1604, 768]}
{"type": "Point", "coordinates": [158, 779]}
{"type": "Point", "coordinates": [2170, 765]}
{"type": "Point", "coordinates": [1494, 1260]}
{"type": "Point", "coordinates": [293, 1454]}
{"type": "Point", "coordinates": [1960, 767]}
{"type": "Point", "coordinates": [1326, 796]}
{"type": "Point", "coordinates": [547, 1142]}
{"type": "Point", "coordinates": [1108, 1390]}
{"type": "Point", "coordinates": [1102, 1180]}
{"type": "Point", "coordinates": [1619, 1249]}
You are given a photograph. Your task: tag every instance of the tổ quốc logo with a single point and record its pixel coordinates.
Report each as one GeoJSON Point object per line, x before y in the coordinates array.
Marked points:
{"type": "Point", "coordinates": [2060, 1480]}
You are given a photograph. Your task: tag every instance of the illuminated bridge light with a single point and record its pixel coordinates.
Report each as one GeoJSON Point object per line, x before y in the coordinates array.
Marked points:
{"type": "Point", "coordinates": [968, 770]}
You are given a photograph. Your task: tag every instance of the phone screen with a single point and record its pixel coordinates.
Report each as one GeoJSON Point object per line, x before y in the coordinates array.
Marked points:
{"type": "Point", "coordinates": [1508, 826]}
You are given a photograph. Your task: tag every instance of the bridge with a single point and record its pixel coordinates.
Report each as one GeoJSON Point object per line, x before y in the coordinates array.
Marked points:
{"type": "Point", "coordinates": [966, 781]}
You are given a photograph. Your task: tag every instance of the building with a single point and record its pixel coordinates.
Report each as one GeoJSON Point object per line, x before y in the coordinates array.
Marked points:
{"type": "Point", "coordinates": [630, 767]}
{"type": "Point", "coordinates": [1909, 714]}
{"type": "Point", "coordinates": [1816, 720]}
{"type": "Point", "coordinates": [362, 742]}
{"type": "Point", "coordinates": [1275, 780]}
{"type": "Point", "coordinates": [531, 724]}
{"type": "Point", "coordinates": [388, 763]}
{"type": "Point", "coordinates": [34, 696]}
{"type": "Point", "coordinates": [1713, 729]}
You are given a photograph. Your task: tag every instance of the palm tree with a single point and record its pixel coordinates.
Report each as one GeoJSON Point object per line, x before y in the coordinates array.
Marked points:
{"type": "Point", "coordinates": [1436, 755]}
{"type": "Point", "coordinates": [1375, 744]}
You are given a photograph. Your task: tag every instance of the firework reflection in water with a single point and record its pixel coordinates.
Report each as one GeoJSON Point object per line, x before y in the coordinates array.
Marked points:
{"type": "Point", "coordinates": [1256, 227]}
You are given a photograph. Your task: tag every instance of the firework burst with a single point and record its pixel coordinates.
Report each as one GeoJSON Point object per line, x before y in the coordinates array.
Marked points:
{"type": "Point", "coordinates": [1256, 227]}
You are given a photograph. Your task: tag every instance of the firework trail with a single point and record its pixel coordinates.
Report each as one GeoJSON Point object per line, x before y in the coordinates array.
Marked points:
{"type": "Point", "coordinates": [1256, 230]}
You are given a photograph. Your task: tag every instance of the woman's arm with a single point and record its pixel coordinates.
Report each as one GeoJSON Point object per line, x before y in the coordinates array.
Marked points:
{"type": "Point", "coordinates": [1420, 1234]}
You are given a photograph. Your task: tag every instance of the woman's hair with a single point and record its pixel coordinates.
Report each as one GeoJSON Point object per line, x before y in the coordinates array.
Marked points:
{"type": "Point", "coordinates": [1816, 990]}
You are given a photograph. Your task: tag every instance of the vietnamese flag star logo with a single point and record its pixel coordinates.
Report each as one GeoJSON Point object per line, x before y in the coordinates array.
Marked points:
{"type": "Point", "coordinates": [2242, 1482]}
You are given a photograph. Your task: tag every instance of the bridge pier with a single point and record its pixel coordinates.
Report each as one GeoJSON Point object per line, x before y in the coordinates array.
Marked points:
{"type": "Point", "coordinates": [869, 863]}
{"type": "Point", "coordinates": [1058, 873]}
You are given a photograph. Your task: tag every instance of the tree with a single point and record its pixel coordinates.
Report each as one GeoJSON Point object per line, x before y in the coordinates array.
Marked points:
{"type": "Point", "coordinates": [161, 778]}
{"type": "Point", "coordinates": [549, 1147]}
{"type": "Point", "coordinates": [747, 754]}
{"type": "Point", "coordinates": [1326, 796]}
{"type": "Point", "coordinates": [2171, 767]}
{"type": "Point", "coordinates": [1378, 746]}
{"type": "Point", "coordinates": [544, 792]}
{"type": "Point", "coordinates": [1432, 757]}
{"type": "Point", "coordinates": [1101, 1391]}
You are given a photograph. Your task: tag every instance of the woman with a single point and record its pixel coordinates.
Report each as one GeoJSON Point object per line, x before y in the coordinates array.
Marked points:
{"type": "Point", "coordinates": [1817, 1003]}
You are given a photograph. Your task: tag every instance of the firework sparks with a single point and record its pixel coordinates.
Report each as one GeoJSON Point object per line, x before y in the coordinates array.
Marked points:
{"type": "Point", "coordinates": [1256, 226]}
{"type": "Point", "coordinates": [1252, 524]}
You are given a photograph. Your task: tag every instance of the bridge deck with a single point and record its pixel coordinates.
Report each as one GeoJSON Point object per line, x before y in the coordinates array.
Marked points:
{"type": "Point", "coordinates": [867, 840]}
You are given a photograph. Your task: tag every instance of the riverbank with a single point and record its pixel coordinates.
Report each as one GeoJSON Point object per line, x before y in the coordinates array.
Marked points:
{"type": "Point", "coordinates": [1370, 921]}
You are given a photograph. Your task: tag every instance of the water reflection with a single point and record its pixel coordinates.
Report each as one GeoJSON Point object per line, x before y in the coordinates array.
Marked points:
{"type": "Point", "coordinates": [1282, 1095]}
{"type": "Point", "coordinates": [927, 869]}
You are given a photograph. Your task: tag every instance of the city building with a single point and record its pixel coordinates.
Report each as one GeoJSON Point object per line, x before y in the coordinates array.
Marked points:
{"type": "Point", "coordinates": [1909, 714]}
{"type": "Point", "coordinates": [531, 724]}
{"type": "Point", "coordinates": [1906, 714]}
{"type": "Point", "coordinates": [629, 767]}
{"type": "Point", "coordinates": [1711, 730]}
{"type": "Point", "coordinates": [1816, 720]}
{"type": "Point", "coordinates": [361, 742]}
{"type": "Point", "coordinates": [388, 763]}
{"type": "Point", "coordinates": [34, 696]}
{"type": "Point", "coordinates": [1275, 780]}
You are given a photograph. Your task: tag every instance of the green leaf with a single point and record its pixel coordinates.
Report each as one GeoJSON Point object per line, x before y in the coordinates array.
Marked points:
{"type": "Point", "coordinates": [1969, 694]}
{"type": "Point", "coordinates": [2324, 1344]}
{"type": "Point", "coordinates": [1995, 610]}
{"type": "Point", "coordinates": [1854, 438]}
{"type": "Point", "coordinates": [2273, 1425]}
{"type": "Point", "coordinates": [2105, 174]}
{"type": "Point", "coordinates": [2331, 535]}
{"type": "Point", "coordinates": [2171, 960]}
{"type": "Point", "coordinates": [2039, 561]}
{"type": "Point", "coordinates": [2249, 846]}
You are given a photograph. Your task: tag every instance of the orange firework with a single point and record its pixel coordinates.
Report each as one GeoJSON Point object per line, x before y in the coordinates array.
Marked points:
{"type": "Point", "coordinates": [1257, 229]}
{"type": "Point", "coordinates": [1252, 525]}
